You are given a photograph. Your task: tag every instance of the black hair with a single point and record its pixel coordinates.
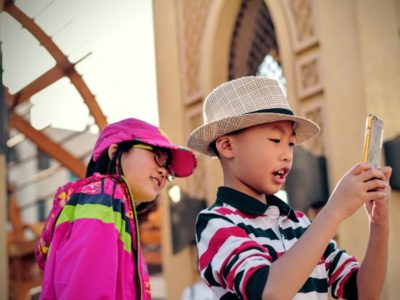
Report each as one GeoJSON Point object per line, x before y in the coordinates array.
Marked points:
{"type": "Point", "coordinates": [106, 166]}
{"type": "Point", "coordinates": [213, 145]}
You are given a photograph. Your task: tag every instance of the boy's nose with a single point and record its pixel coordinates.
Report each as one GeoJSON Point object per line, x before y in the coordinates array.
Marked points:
{"type": "Point", "coordinates": [287, 155]}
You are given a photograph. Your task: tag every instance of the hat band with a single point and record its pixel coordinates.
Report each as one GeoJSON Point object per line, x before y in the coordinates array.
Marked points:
{"type": "Point", "coordinates": [274, 110]}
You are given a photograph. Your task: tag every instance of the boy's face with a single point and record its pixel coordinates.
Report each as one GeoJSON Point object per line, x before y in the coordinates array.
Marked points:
{"type": "Point", "coordinates": [262, 156]}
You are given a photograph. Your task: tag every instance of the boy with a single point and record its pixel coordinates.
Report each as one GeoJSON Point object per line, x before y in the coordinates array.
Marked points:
{"type": "Point", "coordinates": [251, 244]}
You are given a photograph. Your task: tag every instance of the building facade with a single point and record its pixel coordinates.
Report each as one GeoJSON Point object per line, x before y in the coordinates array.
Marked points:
{"type": "Point", "coordinates": [339, 61]}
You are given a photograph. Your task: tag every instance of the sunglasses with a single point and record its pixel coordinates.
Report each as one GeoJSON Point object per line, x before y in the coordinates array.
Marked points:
{"type": "Point", "coordinates": [161, 157]}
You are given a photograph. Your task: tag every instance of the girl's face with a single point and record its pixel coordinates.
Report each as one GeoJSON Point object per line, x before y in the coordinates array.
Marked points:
{"type": "Point", "coordinates": [263, 157]}
{"type": "Point", "coordinates": [144, 176]}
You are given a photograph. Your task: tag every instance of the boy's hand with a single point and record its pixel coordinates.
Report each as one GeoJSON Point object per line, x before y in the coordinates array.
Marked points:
{"type": "Point", "coordinates": [361, 185]}
{"type": "Point", "coordinates": [378, 209]}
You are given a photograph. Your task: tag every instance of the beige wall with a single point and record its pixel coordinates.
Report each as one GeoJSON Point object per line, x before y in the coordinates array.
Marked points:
{"type": "Point", "coordinates": [362, 75]}
{"type": "Point", "coordinates": [355, 47]}
{"type": "Point", "coordinates": [177, 269]}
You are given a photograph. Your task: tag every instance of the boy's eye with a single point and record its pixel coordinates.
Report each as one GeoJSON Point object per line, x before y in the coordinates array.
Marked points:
{"type": "Point", "coordinates": [276, 141]}
{"type": "Point", "coordinates": [291, 144]}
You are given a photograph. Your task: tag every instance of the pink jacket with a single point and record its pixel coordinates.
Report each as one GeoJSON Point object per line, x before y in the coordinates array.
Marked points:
{"type": "Point", "coordinates": [89, 248]}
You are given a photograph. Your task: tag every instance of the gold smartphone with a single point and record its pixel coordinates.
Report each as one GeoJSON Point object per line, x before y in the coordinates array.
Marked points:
{"type": "Point", "coordinates": [373, 140]}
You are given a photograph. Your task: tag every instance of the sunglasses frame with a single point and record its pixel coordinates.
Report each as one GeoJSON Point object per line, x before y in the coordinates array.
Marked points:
{"type": "Point", "coordinates": [166, 165]}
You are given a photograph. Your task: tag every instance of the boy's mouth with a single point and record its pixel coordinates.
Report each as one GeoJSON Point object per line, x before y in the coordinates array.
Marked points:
{"type": "Point", "coordinates": [281, 173]}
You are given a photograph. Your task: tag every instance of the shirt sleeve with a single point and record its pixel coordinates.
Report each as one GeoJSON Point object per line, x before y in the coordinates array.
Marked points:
{"type": "Point", "coordinates": [85, 251]}
{"type": "Point", "coordinates": [229, 259]}
{"type": "Point", "coordinates": [342, 271]}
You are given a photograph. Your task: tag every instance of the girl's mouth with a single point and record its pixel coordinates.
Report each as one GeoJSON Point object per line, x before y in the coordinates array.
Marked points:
{"type": "Point", "coordinates": [156, 181]}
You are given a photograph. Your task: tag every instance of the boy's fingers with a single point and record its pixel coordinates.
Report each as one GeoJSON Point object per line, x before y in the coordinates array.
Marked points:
{"type": "Point", "coordinates": [359, 168]}
{"type": "Point", "coordinates": [372, 173]}
{"type": "Point", "coordinates": [375, 195]}
{"type": "Point", "coordinates": [387, 171]}
{"type": "Point", "coordinates": [375, 184]}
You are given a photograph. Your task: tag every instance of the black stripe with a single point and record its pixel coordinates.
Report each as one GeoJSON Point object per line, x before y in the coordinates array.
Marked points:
{"type": "Point", "coordinates": [255, 285]}
{"type": "Point", "coordinates": [209, 277]}
{"type": "Point", "coordinates": [315, 285]}
{"type": "Point", "coordinates": [236, 257]}
{"type": "Point", "coordinates": [202, 222]}
{"type": "Point", "coordinates": [290, 233]}
{"type": "Point", "coordinates": [282, 111]}
{"type": "Point", "coordinates": [101, 199]}
{"type": "Point", "coordinates": [229, 296]}
{"type": "Point", "coordinates": [236, 282]}
{"type": "Point", "coordinates": [335, 262]}
{"type": "Point", "coordinates": [259, 232]}
{"type": "Point", "coordinates": [350, 290]}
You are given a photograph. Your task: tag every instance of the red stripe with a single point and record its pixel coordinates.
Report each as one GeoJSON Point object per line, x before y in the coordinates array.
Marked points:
{"type": "Point", "coordinates": [217, 241]}
{"type": "Point", "coordinates": [342, 283]}
{"type": "Point", "coordinates": [230, 279]}
{"type": "Point", "coordinates": [247, 278]}
{"type": "Point", "coordinates": [299, 214]}
{"type": "Point", "coordinates": [226, 211]}
{"type": "Point", "coordinates": [232, 273]}
{"type": "Point", "coordinates": [337, 273]}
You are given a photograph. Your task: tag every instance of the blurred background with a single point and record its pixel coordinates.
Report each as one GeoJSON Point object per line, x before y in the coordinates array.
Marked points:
{"type": "Point", "coordinates": [71, 67]}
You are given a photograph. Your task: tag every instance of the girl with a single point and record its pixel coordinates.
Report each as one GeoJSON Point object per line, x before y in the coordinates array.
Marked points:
{"type": "Point", "coordinates": [89, 248]}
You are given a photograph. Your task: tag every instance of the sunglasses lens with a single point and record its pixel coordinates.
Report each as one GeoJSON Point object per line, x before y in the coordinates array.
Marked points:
{"type": "Point", "coordinates": [162, 159]}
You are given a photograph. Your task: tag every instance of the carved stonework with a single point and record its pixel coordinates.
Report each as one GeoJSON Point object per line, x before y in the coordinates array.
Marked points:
{"type": "Point", "coordinates": [253, 39]}
{"type": "Point", "coordinates": [308, 76]}
{"type": "Point", "coordinates": [314, 112]}
{"type": "Point", "coordinates": [192, 18]}
{"type": "Point", "coordinates": [301, 17]}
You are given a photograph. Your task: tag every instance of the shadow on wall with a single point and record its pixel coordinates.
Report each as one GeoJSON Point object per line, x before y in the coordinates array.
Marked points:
{"type": "Point", "coordinates": [184, 211]}
{"type": "Point", "coordinates": [307, 182]}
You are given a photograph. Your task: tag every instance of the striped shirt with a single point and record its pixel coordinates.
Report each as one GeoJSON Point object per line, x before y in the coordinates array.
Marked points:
{"type": "Point", "coordinates": [239, 237]}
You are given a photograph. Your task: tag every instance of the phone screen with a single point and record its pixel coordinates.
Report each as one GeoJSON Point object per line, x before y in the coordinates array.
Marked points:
{"type": "Point", "coordinates": [373, 140]}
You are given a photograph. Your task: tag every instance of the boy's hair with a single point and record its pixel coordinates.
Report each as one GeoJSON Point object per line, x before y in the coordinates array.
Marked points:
{"type": "Point", "coordinates": [243, 103]}
{"type": "Point", "coordinates": [213, 145]}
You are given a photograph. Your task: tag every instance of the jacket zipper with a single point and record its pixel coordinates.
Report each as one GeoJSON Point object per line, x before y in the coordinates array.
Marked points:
{"type": "Point", "coordinates": [137, 239]}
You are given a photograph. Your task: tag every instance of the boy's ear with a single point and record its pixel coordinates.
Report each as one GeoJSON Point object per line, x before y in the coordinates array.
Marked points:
{"type": "Point", "coordinates": [224, 146]}
{"type": "Point", "coordinates": [111, 150]}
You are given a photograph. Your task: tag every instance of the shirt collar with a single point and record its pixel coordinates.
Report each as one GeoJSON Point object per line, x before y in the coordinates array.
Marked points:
{"type": "Point", "coordinates": [251, 205]}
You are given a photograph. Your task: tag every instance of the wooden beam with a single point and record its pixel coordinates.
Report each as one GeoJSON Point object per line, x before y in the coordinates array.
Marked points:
{"type": "Point", "coordinates": [38, 84]}
{"type": "Point", "coordinates": [61, 60]}
{"type": "Point", "coordinates": [48, 146]}
{"type": "Point", "coordinates": [4, 280]}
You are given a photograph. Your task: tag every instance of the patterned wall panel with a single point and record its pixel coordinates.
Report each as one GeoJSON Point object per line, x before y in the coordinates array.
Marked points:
{"type": "Point", "coordinates": [314, 112]}
{"type": "Point", "coordinates": [308, 74]}
{"type": "Point", "coordinates": [301, 19]}
{"type": "Point", "coordinates": [192, 21]}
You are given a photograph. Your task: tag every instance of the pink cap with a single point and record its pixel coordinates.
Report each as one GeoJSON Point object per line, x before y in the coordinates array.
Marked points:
{"type": "Point", "coordinates": [183, 160]}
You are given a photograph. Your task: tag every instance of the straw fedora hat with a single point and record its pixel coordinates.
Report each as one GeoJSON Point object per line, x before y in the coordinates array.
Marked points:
{"type": "Point", "coordinates": [242, 103]}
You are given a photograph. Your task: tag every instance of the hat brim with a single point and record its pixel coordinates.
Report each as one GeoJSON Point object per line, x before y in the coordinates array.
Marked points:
{"type": "Point", "coordinates": [202, 137]}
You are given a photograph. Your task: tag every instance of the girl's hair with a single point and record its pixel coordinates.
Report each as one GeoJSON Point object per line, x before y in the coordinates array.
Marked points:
{"type": "Point", "coordinates": [106, 166]}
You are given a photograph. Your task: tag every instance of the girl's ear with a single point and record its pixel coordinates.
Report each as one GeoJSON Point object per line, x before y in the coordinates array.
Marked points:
{"type": "Point", "coordinates": [224, 146]}
{"type": "Point", "coordinates": [111, 150]}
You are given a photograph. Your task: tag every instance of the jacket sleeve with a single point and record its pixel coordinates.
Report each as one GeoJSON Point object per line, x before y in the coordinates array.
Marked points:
{"type": "Point", "coordinates": [229, 259]}
{"type": "Point", "coordinates": [85, 252]}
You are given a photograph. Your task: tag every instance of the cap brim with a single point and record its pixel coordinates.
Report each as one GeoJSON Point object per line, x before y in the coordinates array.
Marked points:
{"type": "Point", "coordinates": [201, 138]}
{"type": "Point", "coordinates": [183, 161]}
